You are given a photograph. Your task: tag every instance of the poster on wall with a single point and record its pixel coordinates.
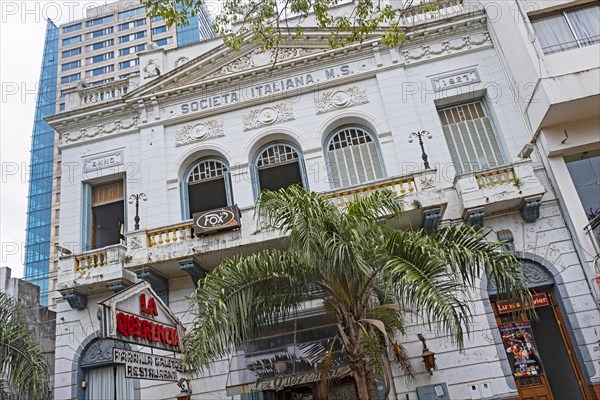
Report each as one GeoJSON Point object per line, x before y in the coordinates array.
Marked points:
{"type": "Point", "coordinates": [517, 338]}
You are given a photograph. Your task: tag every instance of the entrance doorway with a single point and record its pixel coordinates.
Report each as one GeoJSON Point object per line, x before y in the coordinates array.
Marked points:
{"type": "Point", "coordinates": [540, 352]}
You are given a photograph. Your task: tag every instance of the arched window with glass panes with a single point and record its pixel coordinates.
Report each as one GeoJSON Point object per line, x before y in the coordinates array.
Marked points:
{"type": "Point", "coordinates": [353, 157]}
{"type": "Point", "coordinates": [277, 166]}
{"type": "Point", "coordinates": [207, 186]}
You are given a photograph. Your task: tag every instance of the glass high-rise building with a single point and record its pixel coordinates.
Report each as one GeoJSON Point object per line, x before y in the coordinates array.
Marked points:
{"type": "Point", "coordinates": [97, 50]}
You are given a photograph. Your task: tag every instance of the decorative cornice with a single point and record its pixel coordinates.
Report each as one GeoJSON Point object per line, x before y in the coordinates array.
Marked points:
{"type": "Point", "coordinates": [446, 47]}
{"type": "Point", "coordinates": [101, 130]}
{"type": "Point", "coordinates": [199, 132]}
{"type": "Point", "coordinates": [342, 98]}
{"type": "Point", "coordinates": [261, 117]}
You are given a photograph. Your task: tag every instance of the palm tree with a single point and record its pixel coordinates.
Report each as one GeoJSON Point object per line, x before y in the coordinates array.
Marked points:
{"type": "Point", "coordinates": [24, 369]}
{"type": "Point", "coordinates": [368, 276]}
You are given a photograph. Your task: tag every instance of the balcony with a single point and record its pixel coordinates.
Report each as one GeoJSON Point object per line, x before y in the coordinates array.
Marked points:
{"type": "Point", "coordinates": [500, 189]}
{"type": "Point", "coordinates": [175, 251]}
{"type": "Point", "coordinates": [93, 272]}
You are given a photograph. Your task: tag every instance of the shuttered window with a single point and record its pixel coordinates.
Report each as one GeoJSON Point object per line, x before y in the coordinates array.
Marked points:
{"type": "Point", "coordinates": [353, 157]}
{"type": "Point", "coordinates": [107, 193]}
{"type": "Point", "coordinates": [470, 136]}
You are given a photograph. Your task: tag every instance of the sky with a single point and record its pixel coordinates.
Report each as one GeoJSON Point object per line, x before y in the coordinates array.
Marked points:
{"type": "Point", "coordinates": [22, 33]}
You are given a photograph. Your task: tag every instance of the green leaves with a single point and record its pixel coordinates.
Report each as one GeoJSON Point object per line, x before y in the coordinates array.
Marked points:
{"type": "Point", "coordinates": [24, 369]}
{"type": "Point", "coordinates": [269, 23]}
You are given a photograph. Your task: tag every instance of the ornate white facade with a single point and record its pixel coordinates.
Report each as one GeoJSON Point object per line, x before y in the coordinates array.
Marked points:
{"type": "Point", "coordinates": [212, 103]}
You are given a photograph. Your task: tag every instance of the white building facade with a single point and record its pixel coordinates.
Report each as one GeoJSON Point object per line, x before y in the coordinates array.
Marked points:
{"type": "Point", "coordinates": [210, 127]}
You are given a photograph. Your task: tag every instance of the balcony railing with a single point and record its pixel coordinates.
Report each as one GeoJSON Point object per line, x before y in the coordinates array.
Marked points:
{"type": "Point", "coordinates": [398, 186]}
{"type": "Point", "coordinates": [499, 177]}
{"type": "Point", "coordinates": [91, 260]}
{"type": "Point", "coordinates": [170, 234]}
{"type": "Point", "coordinates": [428, 10]}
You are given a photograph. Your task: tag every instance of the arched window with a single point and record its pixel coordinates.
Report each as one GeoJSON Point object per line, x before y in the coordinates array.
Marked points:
{"type": "Point", "coordinates": [207, 187]}
{"type": "Point", "coordinates": [278, 165]}
{"type": "Point", "coordinates": [353, 157]}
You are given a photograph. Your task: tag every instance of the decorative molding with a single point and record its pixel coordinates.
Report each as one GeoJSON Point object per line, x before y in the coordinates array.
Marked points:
{"type": "Point", "coordinates": [474, 218]}
{"type": "Point", "coordinates": [135, 243]}
{"type": "Point", "coordinates": [151, 69]}
{"type": "Point", "coordinates": [101, 130]}
{"type": "Point", "coordinates": [342, 98]}
{"type": "Point", "coordinates": [180, 61]}
{"type": "Point", "coordinates": [530, 209]}
{"type": "Point", "coordinates": [431, 219]}
{"type": "Point", "coordinates": [100, 352]}
{"type": "Point", "coordinates": [104, 161]}
{"type": "Point", "coordinates": [285, 53]}
{"type": "Point", "coordinates": [535, 274]}
{"type": "Point", "coordinates": [506, 236]}
{"type": "Point", "coordinates": [427, 181]}
{"type": "Point", "coordinates": [201, 131]}
{"type": "Point", "coordinates": [241, 64]}
{"type": "Point", "coordinates": [76, 300]}
{"type": "Point", "coordinates": [261, 117]}
{"type": "Point", "coordinates": [446, 47]}
{"type": "Point", "coordinates": [194, 269]}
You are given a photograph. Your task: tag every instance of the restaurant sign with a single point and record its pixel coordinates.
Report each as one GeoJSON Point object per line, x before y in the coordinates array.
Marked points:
{"type": "Point", "coordinates": [281, 381]}
{"type": "Point", "coordinates": [138, 315]}
{"type": "Point", "coordinates": [148, 366]}
{"type": "Point", "coordinates": [220, 219]}
{"type": "Point", "coordinates": [505, 307]}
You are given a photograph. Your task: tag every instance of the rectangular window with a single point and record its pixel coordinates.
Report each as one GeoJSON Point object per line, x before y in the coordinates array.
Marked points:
{"type": "Point", "coordinates": [100, 58]}
{"type": "Point", "coordinates": [569, 29]}
{"type": "Point", "coordinates": [470, 136]}
{"type": "Point", "coordinates": [132, 24]}
{"type": "Point", "coordinates": [157, 18]}
{"type": "Point", "coordinates": [100, 32]}
{"type": "Point", "coordinates": [103, 215]}
{"type": "Point", "coordinates": [71, 65]}
{"type": "Point", "coordinates": [70, 78]}
{"type": "Point", "coordinates": [101, 45]}
{"type": "Point", "coordinates": [102, 82]}
{"type": "Point", "coordinates": [72, 28]}
{"type": "Point", "coordinates": [100, 71]}
{"type": "Point", "coordinates": [72, 52]}
{"type": "Point", "coordinates": [98, 21]}
{"type": "Point", "coordinates": [163, 42]}
{"type": "Point", "coordinates": [61, 106]}
{"type": "Point", "coordinates": [159, 29]}
{"type": "Point", "coordinates": [130, 63]}
{"type": "Point", "coordinates": [132, 12]}
{"type": "Point", "coordinates": [71, 40]}
{"type": "Point", "coordinates": [584, 169]}
{"type": "Point", "coordinates": [133, 36]}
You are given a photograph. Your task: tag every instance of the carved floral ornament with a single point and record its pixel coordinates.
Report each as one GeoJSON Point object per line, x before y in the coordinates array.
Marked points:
{"type": "Point", "coordinates": [101, 130]}
{"type": "Point", "coordinates": [340, 98]}
{"type": "Point", "coordinates": [446, 47]}
{"type": "Point", "coordinates": [201, 131]}
{"type": "Point", "coordinates": [260, 117]}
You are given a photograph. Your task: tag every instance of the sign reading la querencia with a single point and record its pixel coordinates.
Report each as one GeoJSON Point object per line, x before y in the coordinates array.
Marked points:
{"type": "Point", "coordinates": [138, 315]}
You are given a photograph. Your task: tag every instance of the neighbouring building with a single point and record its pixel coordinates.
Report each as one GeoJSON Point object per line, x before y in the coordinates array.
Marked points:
{"type": "Point", "coordinates": [40, 319]}
{"type": "Point", "coordinates": [96, 50]}
{"type": "Point", "coordinates": [207, 128]}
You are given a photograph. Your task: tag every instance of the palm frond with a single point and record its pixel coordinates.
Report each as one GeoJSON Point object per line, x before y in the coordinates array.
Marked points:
{"type": "Point", "coordinates": [23, 365]}
{"type": "Point", "coordinates": [242, 296]}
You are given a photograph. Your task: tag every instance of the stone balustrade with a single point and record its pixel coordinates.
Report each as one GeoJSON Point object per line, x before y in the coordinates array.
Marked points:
{"type": "Point", "coordinates": [498, 177]}
{"type": "Point", "coordinates": [91, 260]}
{"type": "Point", "coordinates": [171, 234]}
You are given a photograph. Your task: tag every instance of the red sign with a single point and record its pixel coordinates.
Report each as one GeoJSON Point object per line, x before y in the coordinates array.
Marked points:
{"type": "Point", "coordinates": [539, 300]}
{"type": "Point", "coordinates": [137, 315]}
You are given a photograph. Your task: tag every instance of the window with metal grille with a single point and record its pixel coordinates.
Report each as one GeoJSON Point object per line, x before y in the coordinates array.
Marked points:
{"type": "Point", "coordinates": [471, 138]}
{"type": "Point", "coordinates": [353, 157]}
{"type": "Point", "coordinates": [208, 186]}
{"type": "Point", "coordinates": [278, 166]}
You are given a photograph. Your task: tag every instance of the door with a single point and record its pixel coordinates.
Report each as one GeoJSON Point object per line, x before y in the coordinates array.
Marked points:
{"type": "Point", "coordinates": [540, 352]}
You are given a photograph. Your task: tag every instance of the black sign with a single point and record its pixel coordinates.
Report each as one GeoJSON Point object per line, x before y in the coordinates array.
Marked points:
{"type": "Point", "coordinates": [220, 219]}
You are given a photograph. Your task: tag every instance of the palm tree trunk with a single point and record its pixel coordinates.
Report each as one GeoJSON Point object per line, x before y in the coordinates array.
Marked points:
{"type": "Point", "coordinates": [371, 384]}
{"type": "Point", "coordinates": [360, 378]}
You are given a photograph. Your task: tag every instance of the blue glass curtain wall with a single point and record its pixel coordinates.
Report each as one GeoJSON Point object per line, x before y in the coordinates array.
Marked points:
{"type": "Point", "coordinates": [39, 209]}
